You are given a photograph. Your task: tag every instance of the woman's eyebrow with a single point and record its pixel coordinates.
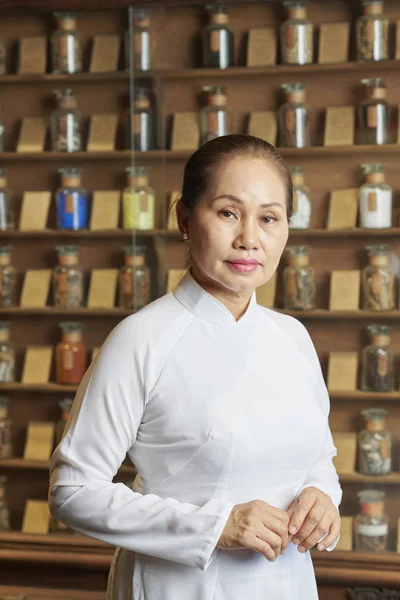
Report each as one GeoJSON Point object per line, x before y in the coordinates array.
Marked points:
{"type": "Point", "coordinates": [239, 201]}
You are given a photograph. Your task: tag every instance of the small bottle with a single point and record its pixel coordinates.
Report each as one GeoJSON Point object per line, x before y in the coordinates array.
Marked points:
{"type": "Point", "coordinates": [377, 361]}
{"type": "Point", "coordinates": [71, 200]}
{"type": "Point", "coordinates": [372, 31]}
{"type": "Point", "coordinates": [68, 278]}
{"type": "Point", "coordinates": [371, 525]}
{"type": "Point", "coordinates": [7, 354]}
{"type": "Point", "coordinates": [298, 279]}
{"type": "Point", "coordinates": [4, 200]}
{"type": "Point", "coordinates": [134, 279]}
{"type": "Point", "coordinates": [65, 406]}
{"type": "Point", "coordinates": [66, 52]}
{"type": "Point", "coordinates": [5, 430]}
{"type": "Point", "coordinates": [301, 218]}
{"type": "Point", "coordinates": [375, 198]}
{"type": "Point", "coordinates": [294, 117]}
{"type": "Point", "coordinates": [297, 35]}
{"type": "Point", "coordinates": [214, 116]}
{"type": "Point", "coordinates": [218, 39]}
{"type": "Point", "coordinates": [374, 113]}
{"type": "Point", "coordinates": [71, 354]}
{"type": "Point", "coordinates": [138, 200]}
{"type": "Point", "coordinates": [65, 124]}
{"type": "Point", "coordinates": [4, 510]}
{"type": "Point", "coordinates": [378, 281]}
{"type": "Point", "coordinates": [141, 42]}
{"type": "Point", "coordinates": [7, 277]}
{"type": "Point", "coordinates": [141, 133]}
{"type": "Point", "coordinates": [375, 444]}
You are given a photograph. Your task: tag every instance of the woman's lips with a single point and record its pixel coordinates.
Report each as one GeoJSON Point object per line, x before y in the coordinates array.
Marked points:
{"type": "Point", "coordinates": [244, 266]}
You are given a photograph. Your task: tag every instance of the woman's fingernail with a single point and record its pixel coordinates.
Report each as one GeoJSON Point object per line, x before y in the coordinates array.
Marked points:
{"type": "Point", "coordinates": [302, 549]}
{"type": "Point", "coordinates": [293, 529]}
{"type": "Point", "coordinates": [321, 547]}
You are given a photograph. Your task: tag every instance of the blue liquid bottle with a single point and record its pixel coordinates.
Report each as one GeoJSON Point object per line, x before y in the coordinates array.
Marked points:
{"type": "Point", "coordinates": [72, 201]}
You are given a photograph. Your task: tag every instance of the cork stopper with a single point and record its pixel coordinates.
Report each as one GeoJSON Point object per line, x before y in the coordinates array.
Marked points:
{"type": "Point", "coordinates": [379, 93]}
{"type": "Point", "coordinates": [380, 340]}
{"type": "Point", "coordinates": [297, 13]}
{"type": "Point", "coordinates": [299, 261]}
{"type": "Point", "coordinates": [379, 261]}
{"type": "Point", "coordinates": [374, 425]}
{"type": "Point", "coordinates": [3, 182]}
{"type": "Point", "coordinates": [374, 8]}
{"type": "Point", "coordinates": [298, 179]}
{"type": "Point", "coordinates": [142, 103]}
{"type": "Point", "coordinates": [5, 259]}
{"type": "Point", "coordinates": [67, 102]}
{"type": "Point", "coordinates": [4, 335]}
{"type": "Point", "coordinates": [68, 181]}
{"type": "Point", "coordinates": [373, 509]}
{"type": "Point", "coordinates": [217, 100]}
{"type": "Point", "coordinates": [66, 22]}
{"type": "Point", "coordinates": [135, 261]}
{"type": "Point", "coordinates": [375, 177]}
{"type": "Point", "coordinates": [72, 336]}
{"type": "Point", "coordinates": [298, 96]}
{"type": "Point", "coordinates": [3, 407]}
{"type": "Point", "coordinates": [68, 259]}
{"type": "Point", "coordinates": [139, 182]}
{"type": "Point", "coordinates": [143, 22]}
{"type": "Point", "coordinates": [219, 18]}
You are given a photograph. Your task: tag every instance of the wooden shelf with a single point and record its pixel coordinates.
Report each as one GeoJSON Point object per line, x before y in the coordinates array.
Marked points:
{"type": "Point", "coordinates": [362, 396]}
{"type": "Point", "coordinates": [50, 311]}
{"type": "Point", "coordinates": [392, 479]}
{"type": "Point", "coordinates": [339, 315]}
{"type": "Point", "coordinates": [345, 233]}
{"type": "Point", "coordinates": [38, 465]}
{"type": "Point", "coordinates": [48, 388]}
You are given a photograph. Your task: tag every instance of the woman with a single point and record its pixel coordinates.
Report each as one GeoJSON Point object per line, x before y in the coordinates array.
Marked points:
{"type": "Point", "coordinates": [221, 405]}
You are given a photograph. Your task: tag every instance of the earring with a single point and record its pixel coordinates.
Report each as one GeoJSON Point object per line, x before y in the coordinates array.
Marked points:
{"type": "Point", "coordinates": [185, 237]}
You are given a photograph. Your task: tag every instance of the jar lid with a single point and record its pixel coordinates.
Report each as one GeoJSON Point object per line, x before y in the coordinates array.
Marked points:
{"type": "Point", "coordinates": [73, 172]}
{"type": "Point", "coordinates": [5, 249]}
{"type": "Point", "coordinates": [293, 87]}
{"type": "Point", "coordinates": [4, 326]}
{"type": "Point", "coordinates": [292, 4]}
{"type": "Point", "coordinates": [138, 171]}
{"type": "Point", "coordinates": [135, 250]}
{"type": "Point", "coordinates": [138, 14]}
{"type": "Point", "coordinates": [298, 250]}
{"type": "Point", "coordinates": [216, 8]}
{"type": "Point", "coordinates": [369, 168]}
{"type": "Point", "coordinates": [71, 327]}
{"type": "Point", "coordinates": [142, 93]}
{"type": "Point", "coordinates": [371, 496]}
{"type": "Point", "coordinates": [374, 414]}
{"type": "Point", "coordinates": [378, 330]}
{"type": "Point", "coordinates": [67, 250]}
{"type": "Point", "coordinates": [4, 401]}
{"type": "Point", "coordinates": [66, 404]}
{"type": "Point", "coordinates": [214, 90]}
{"type": "Point", "coordinates": [3, 172]}
{"type": "Point", "coordinates": [378, 249]}
{"type": "Point", "coordinates": [377, 82]}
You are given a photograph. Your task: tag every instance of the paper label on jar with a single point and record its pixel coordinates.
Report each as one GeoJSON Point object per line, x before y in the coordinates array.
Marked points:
{"type": "Point", "coordinates": [214, 41]}
{"type": "Point", "coordinates": [370, 31]}
{"type": "Point", "coordinates": [382, 364]}
{"type": "Point", "coordinates": [127, 283]}
{"type": "Point", "coordinates": [63, 124]}
{"type": "Point", "coordinates": [63, 46]}
{"type": "Point", "coordinates": [372, 202]}
{"type": "Point", "coordinates": [291, 36]}
{"type": "Point", "coordinates": [62, 283]}
{"type": "Point", "coordinates": [68, 360]}
{"type": "Point", "coordinates": [290, 119]}
{"type": "Point", "coordinates": [137, 43]}
{"type": "Point", "coordinates": [291, 286]}
{"type": "Point", "coordinates": [385, 449]}
{"type": "Point", "coordinates": [295, 201]}
{"type": "Point", "coordinates": [69, 204]}
{"type": "Point", "coordinates": [136, 123]}
{"type": "Point", "coordinates": [213, 123]}
{"type": "Point", "coordinates": [376, 283]}
{"type": "Point", "coordinates": [373, 530]}
{"type": "Point", "coordinates": [371, 117]}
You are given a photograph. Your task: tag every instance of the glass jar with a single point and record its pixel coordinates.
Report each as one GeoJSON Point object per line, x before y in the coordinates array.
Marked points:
{"type": "Point", "coordinates": [375, 444]}
{"type": "Point", "coordinates": [218, 39]}
{"type": "Point", "coordinates": [301, 218]}
{"type": "Point", "coordinates": [297, 35]}
{"type": "Point", "coordinates": [375, 198]}
{"type": "Point", "coordinates": [65, 124]}
{"type": "Point", "coordinates": [66, 52]}
{"type": "Point", "coordinates": [371, 525]}
{"type": "Point", "coordinates": [65, 406]}
{"type": "Point", "coordinates": [214, 116]}
{"type": "Point", "coordinates": [7, 277]}
{"type": "Point", "coordinates": [378, 280]}
{"type": "Point", "coordinates": [138, 200]}
{"type": "Point", "coordinates": [68, 278]}
{"type": "Point", "coordinates": [374, 113]}
{"type": "Point", "coordinates": [4, 200]}
{"type": "Point", "coordinates": [377, 361]}
{"type": "Point", "coordinates": [71, 200]}
{"type": "Point", "coordinates": [298, 280]}
{"type": "Point", "coordinates": [7, 354]}
{"type": "Point", "coordinates": [141, 41]}
{"type": "Point", "coordinates": [140, 130]}
{"type": "Point", "coordinates": [294, 117]}
{"type": "Point", "coordinates": [5, 430]}
{"type": "Point", "coordinates": [372, 31]}
{"type": "Point", "coordinates": [4, 510]}
{"type": "Point", "coordinates": [134, 279]}
{"type": "Point", "coordinates": [71, 354]}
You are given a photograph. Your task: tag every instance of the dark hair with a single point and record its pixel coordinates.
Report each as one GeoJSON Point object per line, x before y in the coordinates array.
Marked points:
{"type": "Point", "coordinates": [202, 165]}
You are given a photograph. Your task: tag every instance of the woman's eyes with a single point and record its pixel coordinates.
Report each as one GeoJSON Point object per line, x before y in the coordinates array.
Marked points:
{"type": "Point", "coordinates": [229, 214]}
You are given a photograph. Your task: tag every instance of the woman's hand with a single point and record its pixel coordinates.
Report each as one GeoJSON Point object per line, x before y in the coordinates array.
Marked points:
{"type": "Point", "coordinates": [312, 516]}
{"type": "Point", "coordinates": [258, 526]}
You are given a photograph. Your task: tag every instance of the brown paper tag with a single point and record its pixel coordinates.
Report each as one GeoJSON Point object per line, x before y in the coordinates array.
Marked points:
{"type": "Point", "coordinates": [32, 135]}
{"type": "Point", "coordinates": [397, 56]}
{"type": "Point", "coordinates": [339, 126]}
{"type": "Point", "coordinates": [32, 55]}
{"type": "Point", "coordinates": [333, 43]}
{"type": "Point", "coordinates": [185, 131]}
{"type": "Point", "coordinates": [37, 364]}
{"type": "Point", "coordinates": [398, 531]}
{"type": "Point", "coordinates": [372, 202]}
{"type": "Point", "coordinates": [102, 133]}
{"type": "Point", "coordinates": [346, 534]}
{"type": "Point", "coordinates": [36, 517]}
{"type": "Point", "coordinates": [35, 211]}
{"type": "Point", "coordinates": [103, 284]}
{"type": "Point", "coordinates": [214, 40]}
{"type": "Point", "coordinates": [261, 48]}
{"type": "Point", "coordinates": [174, 277]}
{"type": "Point", "coordinates": [36, 288]}
{"type": "Point", "coordinates": [172, 218]}
{"type": "Point", "coordinates": [346, 445]}
{"type": "Point", "coordinates": [343, 208]}
{"type": "Point", "coordinates": [342, 371]}
{"type": "Point", "coordinates": [263, 124]}
{"type": "Point", "coordinates": [105, 54]}
{"type": "Point", "coordinates": [265, 294]}
{"type": "Point", "coordinates": [39, 441]}
{"type": "Point", "coordinates": [105, 210]}
{"type": "Point", "coordinates": [345, 290]}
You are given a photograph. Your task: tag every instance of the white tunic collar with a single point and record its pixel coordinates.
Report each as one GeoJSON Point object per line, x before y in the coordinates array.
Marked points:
{"type": "Point", "coordinates": [204, 305]}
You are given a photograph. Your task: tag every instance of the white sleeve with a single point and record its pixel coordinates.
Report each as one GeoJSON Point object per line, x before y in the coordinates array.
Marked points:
{"type": "Point", "coordinates": [104, 421]}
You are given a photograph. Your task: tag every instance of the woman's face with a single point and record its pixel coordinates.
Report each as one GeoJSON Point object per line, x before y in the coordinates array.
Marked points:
{"type": "Point", "coordinates": [238, 231]}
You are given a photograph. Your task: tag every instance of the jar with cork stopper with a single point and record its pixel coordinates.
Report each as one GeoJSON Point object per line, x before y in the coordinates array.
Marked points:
{"type": "Point", "coordinates": [5, 429]}
{"type": "Point", "coordinates": [371, 525]}
{"type": "Point", "coordinates": [71, 354]}
{"type": "Point", "coordinates": [66, 51]}
{"type": "Point", "coordinates": [375, 198]}
{"type": "Point", "coordinates": [65, 406]}
{"type": "Point", "coordinates": [378, 280]}
{"type": "Point", "coordinates": [214, 116]}
{"type": "Point", "coordinates": [297, 34]}
{"type": "Point", "coordinates": [138, 56]}
{"type": "Point", "coordinates": [4, 200]}
{"type": "Point", "coordinates": [374, 444]}
{"type": "Point", "coordinates": [294, 117]}
{"type": "Point", "coordinates": [4, 510]}
{"type": "Point", "coordinates": [217, 39]}
{"type": "Point", "coordinates": [299, 280]}
{"type": "Point", "coordinates": [134, 279]}
{"type": "Point", "coordinates": [7, 354]}
{"type": "Point", "coordinates": [374, 113]}
{"type": "Point", "coordinates": [138, 200]}
{"type": "Point", "coordinates": [65, 124]}
{"type": "Point", "coordinates": [301, 218]}
{"type": "Point", "coordinates": [140, 130]}
{"type": "Point", "coordinates": [372, 32]}
{"type": "Point", "coordinates": [7, 277]}
{"type": "Point", "coordinates": [71, 200]}
{"type": "Point", "coordinates": [377, 361]}
{"type": "Point", "coordinates": [68, 278]}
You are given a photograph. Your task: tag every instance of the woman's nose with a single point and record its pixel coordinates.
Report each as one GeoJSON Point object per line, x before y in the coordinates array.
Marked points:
{"type": "Point", "coordinates": [247, 236]}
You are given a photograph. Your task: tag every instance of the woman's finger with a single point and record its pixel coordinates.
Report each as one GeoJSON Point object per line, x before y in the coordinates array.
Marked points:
{"type": "Point", "coordinates": [333, 534]}
{"type": "Point", "coordinates": [319, 532]}
{"type": "Point", "coordinates": [311, 522]}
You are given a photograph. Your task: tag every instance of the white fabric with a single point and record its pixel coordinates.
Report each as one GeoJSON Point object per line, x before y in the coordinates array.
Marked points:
{"type": "Point", "coordinates": [212, 412]}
